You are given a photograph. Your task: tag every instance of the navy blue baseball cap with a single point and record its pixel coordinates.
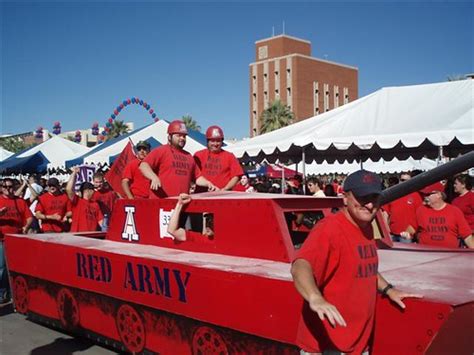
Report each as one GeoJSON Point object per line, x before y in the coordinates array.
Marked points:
{"type": "Point", "coordinates": [363, 183]}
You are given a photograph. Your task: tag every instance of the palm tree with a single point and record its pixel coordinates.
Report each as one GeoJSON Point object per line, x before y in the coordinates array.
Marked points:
{"type": "Point", "coordinates": [118, 128]}
{"type": "Point", "coordinates": [276, 116]}
{"type": "Point", "coordinates": [14, 145]}
{"type": "Point", "coordinates": [190, 123]}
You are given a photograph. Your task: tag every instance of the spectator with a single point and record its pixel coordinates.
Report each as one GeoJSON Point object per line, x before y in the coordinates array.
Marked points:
{"type": "Point", "coordinates": [134, 184]}
{"type": "Point", "coordinates": [314, 187]}
{"type": "Point", "coordinates": [439, 223]}
{"type": "Point", "coordinates": [86, 214]}
{"type": "Point", "coordinates": [104, 196]}
{"type": "Point", "coordinates": [465, 199]}
{"type": "Point", "coordinates": [53, 208]}
{"type": "Point", "coordinates": [244, 185]}
{"type": "Point", "coordinates": [15, 217]}
{"type": "Point", "coordinates": [329, 191]}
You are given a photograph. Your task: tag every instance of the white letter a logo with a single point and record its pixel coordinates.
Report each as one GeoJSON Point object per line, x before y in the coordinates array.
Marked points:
{"type": "Point", "coordinates": [129, 230]}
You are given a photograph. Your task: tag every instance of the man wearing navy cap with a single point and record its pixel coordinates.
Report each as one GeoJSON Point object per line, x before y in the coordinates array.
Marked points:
{"type": "Point", "coordinates": [336, 272]}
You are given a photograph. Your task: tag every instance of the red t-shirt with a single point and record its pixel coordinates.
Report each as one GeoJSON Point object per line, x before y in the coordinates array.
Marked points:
{"type": "Point", "coordinates": [466, 204]}
{"type": "Point", "coordinates": [402, 212]}
{"type": "Point", "coordinates": [218, 168]}
{"type": "Point", "coordinates": [106, 200]}
{"type": "Point", "coordinates": [15, 215]}
{"type": "Point", "coordinates": [86, 215]}
{"type": "Point", "coordinates": [139, 185]}
{"type": "Point", "coordinates": [49, 204]}
{"type": "Point", "coordinates": [176, 169]}
{"type": "Point", "coordinates": [441, 227]}
{"type": "Point", "coordinates": [345, 264]}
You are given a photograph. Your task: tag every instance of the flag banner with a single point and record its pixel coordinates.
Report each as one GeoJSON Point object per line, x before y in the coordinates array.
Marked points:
{"type": "Point", "coordinates": [114, 175]}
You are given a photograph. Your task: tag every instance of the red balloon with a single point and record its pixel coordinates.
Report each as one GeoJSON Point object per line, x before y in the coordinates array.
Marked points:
{"type": "Point", "coordinates": [151, 111]}
{"type": "Point", "coordinates": [111, 120]}
{"type": "Point", "coordinates": [157, 119]}
{"type": "Point", "coordinates": [121, 106]}
{"type": "Point", "coordinates": [116, 112]}
{"type": "Point", "coordinates": [129, 101]}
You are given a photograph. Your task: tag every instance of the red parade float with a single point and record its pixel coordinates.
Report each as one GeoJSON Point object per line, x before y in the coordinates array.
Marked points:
{"type": "Point", "coordinates": [136, 289]}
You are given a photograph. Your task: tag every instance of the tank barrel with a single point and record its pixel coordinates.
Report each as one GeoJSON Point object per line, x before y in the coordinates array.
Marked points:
{"type": "Point", "coordinates": [418, 182]}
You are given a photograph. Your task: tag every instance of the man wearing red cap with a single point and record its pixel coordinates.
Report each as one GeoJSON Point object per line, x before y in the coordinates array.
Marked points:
{"type": "Point", "coordinates": [170, 168]}
{"type": "Point", "coordinates": [336, 272]}
{"type": "Point", "coordinates": [439, 223]}
{"type": "Point", "coordinates": [134, 184]}
{"type": "Point", "coordinates": [52, 208]}
{"type": "Point", "coordinates": [217, 165]}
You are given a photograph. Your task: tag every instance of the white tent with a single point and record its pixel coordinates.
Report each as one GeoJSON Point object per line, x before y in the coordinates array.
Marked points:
{"type": "Point", "coordinates": [4, 154]}
{"type": "Point", "coordinates": [56, 150]}
{"type": "Point", "coordinates": [155, 133]}
{"type": "Point", "coordinates": [392, 122]}
{"type": "Point", "coordinates": [381, 166]}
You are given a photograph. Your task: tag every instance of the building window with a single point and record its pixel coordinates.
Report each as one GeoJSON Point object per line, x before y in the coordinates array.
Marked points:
{"type": "Point", "coordinates": [346, 95]}
{"type": "Point", "coordinates": [288, 92]}
{"type": "Point", "coordinates": [316, 97]}
{"type": "Point", "coordinates": [336, 96]}
{"type": "Point", "coordinates": [326, 97]}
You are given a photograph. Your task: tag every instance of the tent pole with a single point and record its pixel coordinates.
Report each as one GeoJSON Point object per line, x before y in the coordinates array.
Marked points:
{"type": "Point", "coordinates": [282, 180]}
{"type": "Point", "coordinates": [303, 159]}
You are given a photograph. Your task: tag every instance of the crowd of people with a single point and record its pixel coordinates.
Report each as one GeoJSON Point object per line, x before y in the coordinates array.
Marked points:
{"type": "Point", "coordinates": [440, 215]}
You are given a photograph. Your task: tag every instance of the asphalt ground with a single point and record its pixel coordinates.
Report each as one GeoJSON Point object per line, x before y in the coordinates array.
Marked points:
{"type": "Point", "coordinates": [21, 336]}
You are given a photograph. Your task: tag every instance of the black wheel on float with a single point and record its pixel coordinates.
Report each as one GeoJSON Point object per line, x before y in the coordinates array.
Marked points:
{"type": "Point", "coordinates": [68, 309]}
{"type": "Point", "coordinates": [20, 294]}
{"type": "Point", "coordinates": [208, 341]}
{"type": "Point", "coordinates": [130, 328]}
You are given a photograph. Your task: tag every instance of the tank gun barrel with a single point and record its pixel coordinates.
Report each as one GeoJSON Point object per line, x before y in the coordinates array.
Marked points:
{"type": "Point", "coordinates": [418, 182]}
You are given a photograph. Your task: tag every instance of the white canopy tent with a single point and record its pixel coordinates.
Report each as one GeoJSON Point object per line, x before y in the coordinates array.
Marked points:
{"type": "Point", "coordinates": [392, 122]}
{"type": "Point", "coordinates": [4, 154]}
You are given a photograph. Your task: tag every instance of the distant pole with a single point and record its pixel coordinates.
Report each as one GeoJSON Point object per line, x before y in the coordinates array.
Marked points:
{"type": "Point", "coordinates": [273, 31]}
{"type": "Point", "coordinates": [283, 27]}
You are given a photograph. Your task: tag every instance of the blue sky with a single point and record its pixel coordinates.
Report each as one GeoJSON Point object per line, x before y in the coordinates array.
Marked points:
{"type": "Point", "coordinates": [76, 62]}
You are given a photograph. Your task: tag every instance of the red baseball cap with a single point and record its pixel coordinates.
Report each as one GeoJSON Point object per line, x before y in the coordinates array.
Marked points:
{"type": "Point", "coordinates": [437, 186]}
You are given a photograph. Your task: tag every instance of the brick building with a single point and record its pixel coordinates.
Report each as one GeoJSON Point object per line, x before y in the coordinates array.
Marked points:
{"type": "Point", "coordinates": [285, 70]}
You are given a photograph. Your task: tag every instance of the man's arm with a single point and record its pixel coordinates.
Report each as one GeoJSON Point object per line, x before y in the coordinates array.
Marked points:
{"type": "Point", "coordinates": [391, 292]}
{"type": "Point", "coordinates": [469, 242]}
{"type": "Point", "coordinates": [126, 188]}
{"type": "Point", "coordinates": [148, 172]}
{"type": "Point", "coordinates": [202, 181]}
{"type": "Point", "coordinates": [173, 227]}
{"type": "Point", "coordinates": [232, 182]}
{"type": "Point", "coordinates": [27, 225]}
{"type": "Point", "coordinates": [70, 183]}
{"type": "Point", "coordinates": [305, 284]}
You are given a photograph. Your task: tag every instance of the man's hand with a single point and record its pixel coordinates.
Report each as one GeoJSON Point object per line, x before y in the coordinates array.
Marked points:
{"type": "Point", "coordinates": [323, 308]}
{"type": "Point", "coordinates": [75, 169]}
{"type": "Point", "coordinates": [397, 296]}
{"type": "Point", "coordinates": [184, 199]}
{"type": "Point", "coordinates": [54, 217]}
{"type": "Point", "coordinates": [406, 235]}
{"type": "Point", "coordinates": [155, 183]}
{"type": "Point", "coordinates": [212, 187]}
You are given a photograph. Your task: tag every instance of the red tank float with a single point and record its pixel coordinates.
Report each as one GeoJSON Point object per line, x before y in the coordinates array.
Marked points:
{"type": "Point", "coordinates": [138, 290]}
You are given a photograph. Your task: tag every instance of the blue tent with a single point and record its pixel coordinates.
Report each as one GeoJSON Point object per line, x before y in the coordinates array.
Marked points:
{"type": "Point", "coordinates": [36, 163]}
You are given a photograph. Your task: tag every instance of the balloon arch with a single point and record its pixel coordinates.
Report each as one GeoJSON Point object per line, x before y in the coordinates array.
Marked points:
{"type": "Point", "coordinates": [116, 112]}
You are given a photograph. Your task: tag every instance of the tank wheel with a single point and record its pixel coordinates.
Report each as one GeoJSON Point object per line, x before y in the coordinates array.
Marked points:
{"type": "Point", "coordinates": [68, 309]}
{"type": "Point", "coordinates": [20, 294]}
{"type": "Point", "coordinates": [130, 328]}
{"type": "Point", "coordinates": [208, 341]}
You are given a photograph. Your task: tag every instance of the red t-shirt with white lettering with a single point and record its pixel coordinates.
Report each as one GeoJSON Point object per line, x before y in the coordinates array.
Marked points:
{"type": "Point", "coordinates": [139, 185]}
{"type": "Point", "coordinates": [15, 215]}
{"type": "Point", "coordinates": [176, 169]}
{"type": "Point", "coordinates": [466, 204]}
{"type": "Point", "coordinates": [219, 167]}
{"type": "Point", "coordinates": [105, 199]}
{"type": "Point", "coordinates": [345, 263]}
{"type": "Point", "coordinates": [441, 227]}
{"type": "Point", "coordinates": [402, 212]}
{"type": "Point", "coordinates": [49, 204]}
{"type": "Point", "coordinates": [86, 215]}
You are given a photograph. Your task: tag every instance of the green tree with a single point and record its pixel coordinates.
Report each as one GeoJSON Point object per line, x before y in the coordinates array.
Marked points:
{"type": "Point", "coordinates": [277, 115]}
{"type": "Point", "coordinates": [14, 145]}
{"type": "Point", "coordinates": [118, 128]}
{"type": "Point", "coordinates": [190, 123]}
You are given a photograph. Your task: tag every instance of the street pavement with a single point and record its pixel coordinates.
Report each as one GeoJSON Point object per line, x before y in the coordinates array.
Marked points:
{"type": "Point", "coordinates": [20, 336]}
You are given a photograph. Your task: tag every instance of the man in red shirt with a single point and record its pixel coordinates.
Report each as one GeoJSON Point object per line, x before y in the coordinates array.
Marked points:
{"type": "Point", "coordinates": [86, 214]}
{"type": "Point", "coordinates": [217, 165]}
{"type": "Point", "coordinates": [103, 194]}
{"type": "Point", "coordinates": [170, 168]}
{"type": "Point", "coordinates": [439, 223]}
{"type": "Point", "coordinates": [336, 272]}
{"type": "Point", "coordinates": [52, 208]}
{"type": "Point", "coordinates": [402, 214]}
{"type": "Point", "coordinates": [465, 199]}
{"type": "Point", "coordinates": [134, 184]}
{"type": "Point", "coordinates": [15, 217]}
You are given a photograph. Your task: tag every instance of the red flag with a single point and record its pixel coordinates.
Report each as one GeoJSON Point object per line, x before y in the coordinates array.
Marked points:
{"type": "Point", "coordinates": [114, 175]}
